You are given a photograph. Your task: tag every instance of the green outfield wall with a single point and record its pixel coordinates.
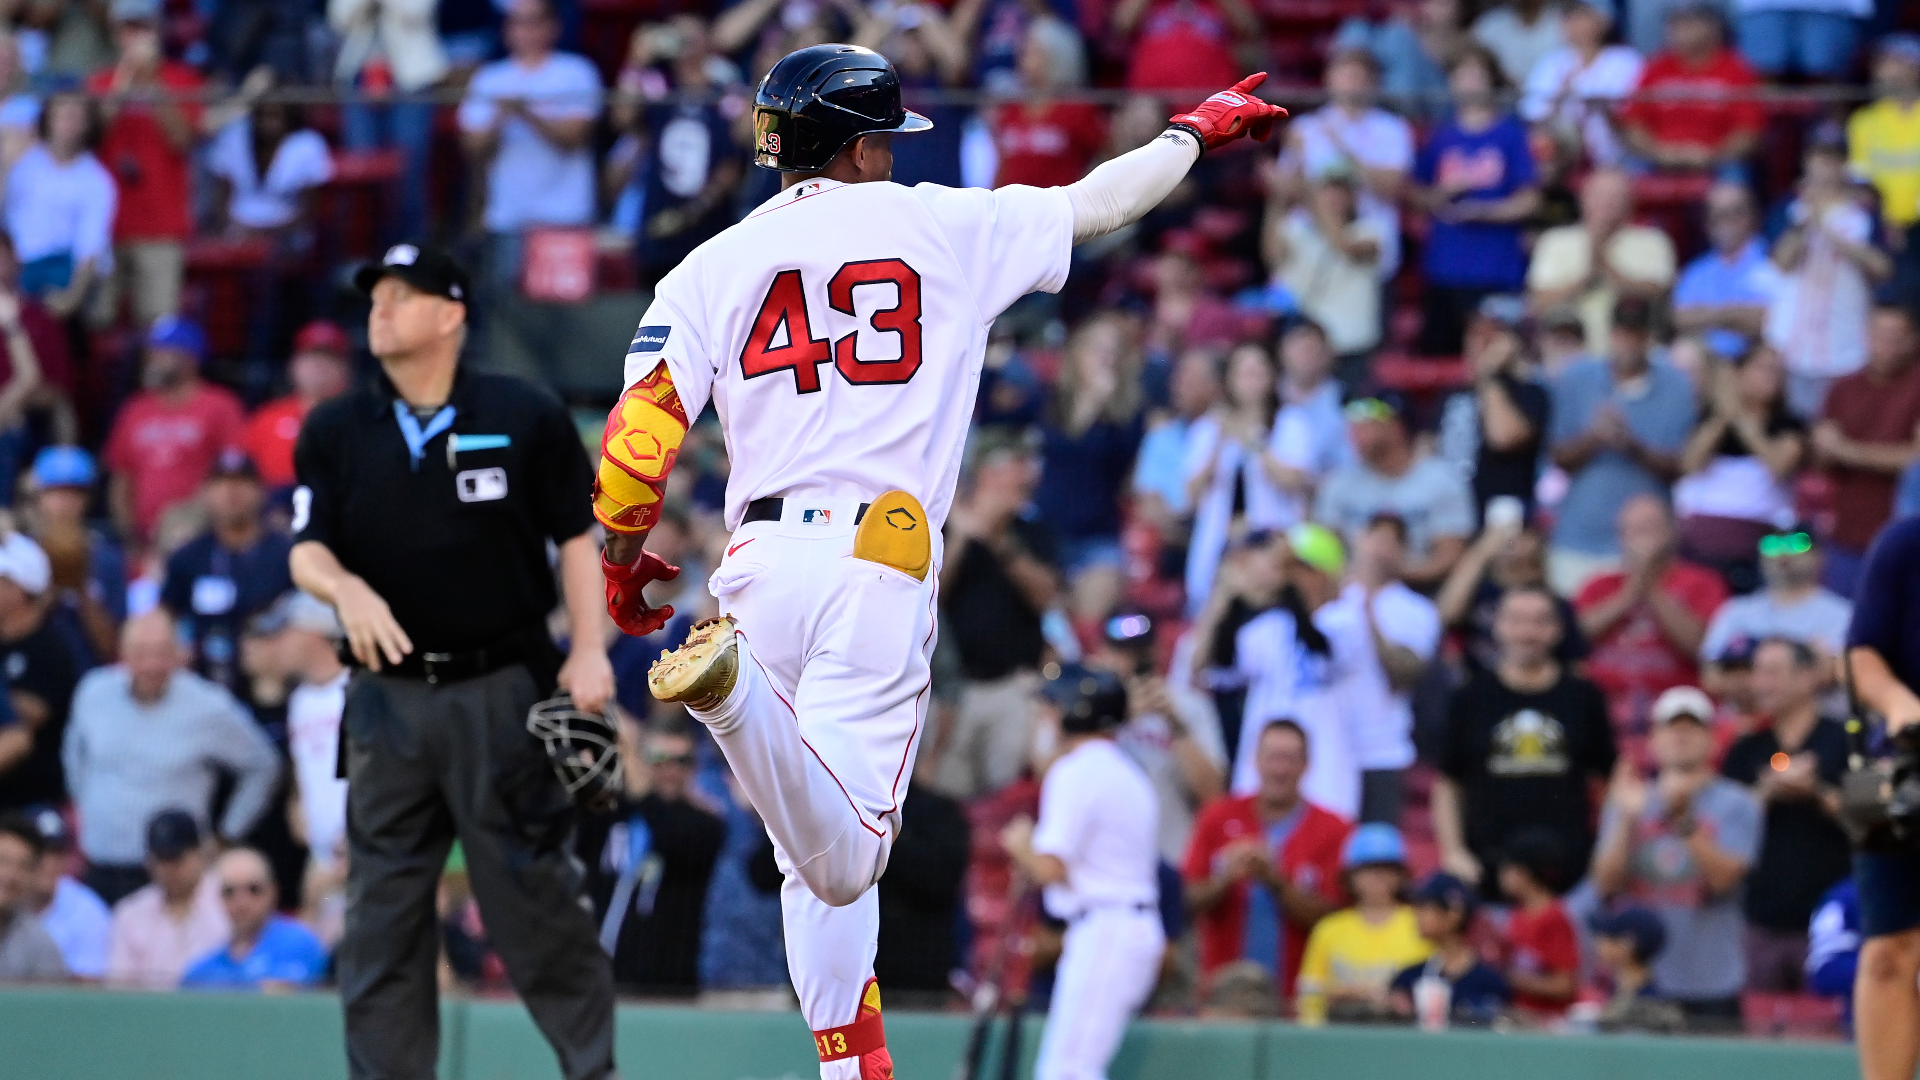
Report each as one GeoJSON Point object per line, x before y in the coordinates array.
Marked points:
{"type": "Point", "coordinates": [99, 1035]}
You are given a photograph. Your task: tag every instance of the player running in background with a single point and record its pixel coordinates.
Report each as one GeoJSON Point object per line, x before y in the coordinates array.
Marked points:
{"type": "Point", "coordinates": [839, 331]}
{"type": "Point", "coordinates": [1095, 853]}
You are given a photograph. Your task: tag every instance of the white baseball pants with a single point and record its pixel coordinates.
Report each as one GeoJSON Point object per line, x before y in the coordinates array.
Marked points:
{"type": "Point", "coordinates": [821, 731]}
{"type": "Point", "coordinates": [1109, 965]}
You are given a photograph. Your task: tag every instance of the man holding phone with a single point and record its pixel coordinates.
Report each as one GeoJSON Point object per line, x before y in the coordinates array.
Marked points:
{"type": "Point", "coordinates": [1172, 731]}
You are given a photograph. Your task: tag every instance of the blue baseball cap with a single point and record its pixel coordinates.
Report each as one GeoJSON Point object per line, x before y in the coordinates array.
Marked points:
{"type": "Point", "coordinates": [174, 332]}
{"type": "Point", "coordinates": [1638, 926]}
{"type": "Point", "coordinates": [1376, 844]}
{"type": "Point", "coordinates": [63, 466]}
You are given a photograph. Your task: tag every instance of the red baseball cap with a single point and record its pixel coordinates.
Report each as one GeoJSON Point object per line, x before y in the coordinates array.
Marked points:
{"type": "Point", "coordinates": [322, 335]}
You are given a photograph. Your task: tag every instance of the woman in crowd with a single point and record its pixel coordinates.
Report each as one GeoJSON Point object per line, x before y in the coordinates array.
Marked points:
{"type": "Point", "coordinates": [1228, 484]}
{"type": "Point", "coordinates": [1414, 46]}
{"type": "Point", "coordinates": [1493, 431]}
{"type": "Point", "coordinates": [1090, 432]}
{"type": "Point", "coordinates": [1476, 179]}
{"type": "Point", "coordinates": [60, 203]}
{"type": "Point", "coordinates": [268, 163]}
{"type": "Point", "coordinates": [1738, 466]}
{"type": "Point", "coordinates": [1572, 88]}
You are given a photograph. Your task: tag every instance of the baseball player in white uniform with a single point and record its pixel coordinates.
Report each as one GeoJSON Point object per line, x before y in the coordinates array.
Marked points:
{"type": "Point", "coordinates": [839, 331]}
{"type": "Point", "coordinates": [1095, 851]}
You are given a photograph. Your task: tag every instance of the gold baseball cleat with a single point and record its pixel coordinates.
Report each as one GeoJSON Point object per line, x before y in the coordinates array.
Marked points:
{"type": "Point", "coordinates": [701, 672]}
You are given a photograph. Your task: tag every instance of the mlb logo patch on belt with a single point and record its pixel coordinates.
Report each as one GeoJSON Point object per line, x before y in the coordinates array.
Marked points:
{"type": "Point", "coordinates": [816, 517]}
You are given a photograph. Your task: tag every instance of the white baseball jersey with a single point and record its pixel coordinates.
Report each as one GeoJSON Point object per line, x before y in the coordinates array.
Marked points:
{"type": "Point", "coordinates": [1099, 816]}
{"type": "Point", "coordinates": [839, 331]}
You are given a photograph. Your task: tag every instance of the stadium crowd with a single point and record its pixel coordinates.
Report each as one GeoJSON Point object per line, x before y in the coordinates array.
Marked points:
{"type": "Point", "coordinates": [1470, 487]}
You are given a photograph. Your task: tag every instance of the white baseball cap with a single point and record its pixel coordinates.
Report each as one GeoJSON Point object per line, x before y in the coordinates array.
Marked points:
{"type": "Point", "coordinates": [24, 563]}
{"type": "Point", "coordinates": [1682, 701]}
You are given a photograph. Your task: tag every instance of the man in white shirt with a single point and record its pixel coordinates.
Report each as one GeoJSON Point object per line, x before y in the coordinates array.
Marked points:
{"type": "Point", "coordinates": [301, 641]}
{"type": "Point", "coordinates": [1385, 634]}
{"type": "Point", "coordinates": [1350, 128]}
{"type": "Point", "coordinates": [1093, 852]}
{"type": "Point", "coordinates": [528, 120]}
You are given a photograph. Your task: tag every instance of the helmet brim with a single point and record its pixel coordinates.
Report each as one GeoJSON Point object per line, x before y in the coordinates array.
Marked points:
{"type": "Point", "coordinates": [913, 122]}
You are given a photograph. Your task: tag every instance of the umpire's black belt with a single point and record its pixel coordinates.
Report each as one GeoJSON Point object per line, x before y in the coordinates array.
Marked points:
{"type": "Point", "coordinates": [446, 667]}
{"type": "Point", "coordinates": [770, 510]}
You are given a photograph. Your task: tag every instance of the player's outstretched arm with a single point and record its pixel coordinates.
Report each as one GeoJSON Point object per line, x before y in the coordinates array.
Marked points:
{"type": "Point", "coordinates": [637, 451]}
{"type": "Point", "coordinates": [1122, 190]}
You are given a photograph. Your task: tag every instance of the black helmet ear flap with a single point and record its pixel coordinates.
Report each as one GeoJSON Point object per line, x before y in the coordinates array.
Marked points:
{"type": "Point", "coordinates": [584, 749]}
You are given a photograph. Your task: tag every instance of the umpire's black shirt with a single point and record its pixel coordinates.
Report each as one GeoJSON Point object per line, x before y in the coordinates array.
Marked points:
{"type": "Point", "coordinates": [456, 543]}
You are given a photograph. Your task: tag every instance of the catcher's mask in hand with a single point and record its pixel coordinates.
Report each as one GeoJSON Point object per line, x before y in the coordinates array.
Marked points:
{"type": "Point", "coordinates": [584, 748]}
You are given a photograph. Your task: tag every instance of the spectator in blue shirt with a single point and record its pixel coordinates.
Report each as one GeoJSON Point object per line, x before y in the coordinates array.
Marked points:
{"type": "Point", "coordinates": [1719, 296]}
{"type": "Point", "coordinates": [1476, 179]}
{"type": "Point", "coordinates": [1160, 471]}
{"type": "Point", "coordinates": [268, 951]}
{"type": "Point", "coordinates": [1444, 907]}
{"type": "Point", "coordinates": [1618, 426]}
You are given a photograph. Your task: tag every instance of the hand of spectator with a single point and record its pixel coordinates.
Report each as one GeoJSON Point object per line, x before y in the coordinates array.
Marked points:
{"type": "Point", "coordinates": [1242, 859]}
{"type": "Point", "coordinates": [372, 632]}
{"type": "Point", "coordinates": [1231, 113]}
{"type": "Point", "coordinates": [1799, 780]}
{"type": "Point", "coordinates": [1017, 838]}
{"type": "Point", "coordinates": [1462, 864]}
{"type": "Point", "coordinates": [1149, 697]}
{"type": "Point", "coordinates": [1610, 428]}
{"type": "Point", "coordinates": [9, 310]}
{"type": "Point", "coordinates": [62, 303]}
{"type": "Point", "coordinates": [1627, 793]}
{"type": "Point", "coordinates": [1830, 445]}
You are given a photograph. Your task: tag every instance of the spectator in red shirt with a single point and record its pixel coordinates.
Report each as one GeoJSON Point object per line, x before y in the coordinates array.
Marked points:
{"type": "Point", "coordinates": [321, 367]}
{"type": "Point", "coordinates": [1694, 134]}
{"type": "Point", "coordinates": [1184, 44]}
{"type": "Point", "coordinates": [1543, 952]}
{"type": "Point", "coordinates": [1042, 141]}
{"type": "Point", "coordinates": [1869, 432]}
{"type": "Point", "coordinates": [1262, 869]}
{"type": "Point", "coordinates": [1647, 619]}
{"type": "Point", "coordinates": [147, 144]}
{"type": "Point", "coordinates": [167, 436]}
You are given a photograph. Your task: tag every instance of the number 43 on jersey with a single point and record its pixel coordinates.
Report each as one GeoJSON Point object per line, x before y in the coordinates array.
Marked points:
{"type": "Point", "coordinates": [803, 353]}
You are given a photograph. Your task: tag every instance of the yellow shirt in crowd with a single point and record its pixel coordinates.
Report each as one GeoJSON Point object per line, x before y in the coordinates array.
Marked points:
{"type": "Point", "coordinates": [1346, 952]}
{"type": "Point", "coordinates": [1883, 142]}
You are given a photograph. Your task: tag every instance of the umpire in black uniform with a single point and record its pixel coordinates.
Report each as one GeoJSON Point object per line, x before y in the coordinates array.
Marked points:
{"type": "Point", "coordinates": [426, 502]}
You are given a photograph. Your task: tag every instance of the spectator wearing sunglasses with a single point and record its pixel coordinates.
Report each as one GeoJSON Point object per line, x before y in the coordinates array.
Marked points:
{"type": "Point", "coordinates": [1791, 605]}
{"type": "Point", "coordinates": [1427, 494]}
{"type": "Point", "coordinates": [267, 950]}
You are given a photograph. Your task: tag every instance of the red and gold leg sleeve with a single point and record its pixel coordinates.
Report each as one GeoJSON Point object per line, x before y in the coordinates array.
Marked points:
{"type": "Point", "coordinates": [865, 1038]}
{"type": "Point", "coordinates": [637, 451]}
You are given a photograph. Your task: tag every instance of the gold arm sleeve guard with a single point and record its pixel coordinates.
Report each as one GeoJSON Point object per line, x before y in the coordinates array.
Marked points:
{"type": "Point", "coordinates": [637, 451]}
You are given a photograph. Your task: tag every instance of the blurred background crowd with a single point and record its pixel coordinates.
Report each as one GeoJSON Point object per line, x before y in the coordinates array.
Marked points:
{"type": "Point", "coordinates": [1469, 486]}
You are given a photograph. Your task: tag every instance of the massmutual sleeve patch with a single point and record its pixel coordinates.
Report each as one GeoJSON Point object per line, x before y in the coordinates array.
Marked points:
{"type": "Point", "coordinates": [649, 339]}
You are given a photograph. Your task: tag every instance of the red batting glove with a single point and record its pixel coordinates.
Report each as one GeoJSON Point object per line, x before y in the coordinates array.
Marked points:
{"type": "Point", "coordinates": [626, 601]}
{"type": "Point", "coordinates": [1230, 114]}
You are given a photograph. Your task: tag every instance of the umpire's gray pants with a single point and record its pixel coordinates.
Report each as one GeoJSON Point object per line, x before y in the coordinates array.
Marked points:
{"type": "Point", "coordinates": [425, 763]}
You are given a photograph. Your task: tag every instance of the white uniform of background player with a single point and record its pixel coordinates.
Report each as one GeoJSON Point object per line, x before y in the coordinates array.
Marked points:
{"type": "Point", "coordinates": [1100, 819]}
{"type": "Point", "coordinates": [839, 331]}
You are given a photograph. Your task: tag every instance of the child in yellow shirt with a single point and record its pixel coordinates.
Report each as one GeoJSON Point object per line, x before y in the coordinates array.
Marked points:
{"type": "Point", "coordinates": [1353, 955]}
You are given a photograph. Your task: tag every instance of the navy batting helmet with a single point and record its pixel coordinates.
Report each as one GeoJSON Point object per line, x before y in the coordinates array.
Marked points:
{"type": "Point", "coordinates": [1090, 700]}
{"type": "Point", "coordinates": [817, 100]}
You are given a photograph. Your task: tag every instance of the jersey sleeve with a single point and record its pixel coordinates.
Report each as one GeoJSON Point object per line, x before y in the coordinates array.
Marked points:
{"type": "Point", "coordinates": [670, 333]}
{"type": "Point", "coordinates": [1009, 242]}
{"type": "Point", "coordinates": [1064, 808]}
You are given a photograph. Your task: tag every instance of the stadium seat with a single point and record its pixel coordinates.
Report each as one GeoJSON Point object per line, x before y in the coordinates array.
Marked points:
{"type": "Point", "coordinates": [1798, 1016]}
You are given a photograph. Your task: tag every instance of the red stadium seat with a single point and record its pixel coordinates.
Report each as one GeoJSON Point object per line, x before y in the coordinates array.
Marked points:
{"type": "Point", "coordinates": [1798, 1016]}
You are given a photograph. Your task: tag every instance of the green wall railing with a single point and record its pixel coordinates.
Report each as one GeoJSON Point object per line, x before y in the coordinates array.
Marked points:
{"type": "Point", "coordinates": [101, 1035]}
